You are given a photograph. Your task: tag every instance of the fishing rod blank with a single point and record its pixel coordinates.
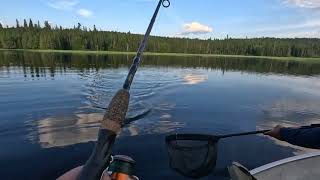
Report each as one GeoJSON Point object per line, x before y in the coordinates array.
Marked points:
{"type": "Point", "coordinates": [115, 115]}
{"type": "Point", "coordinates": [137, 59]}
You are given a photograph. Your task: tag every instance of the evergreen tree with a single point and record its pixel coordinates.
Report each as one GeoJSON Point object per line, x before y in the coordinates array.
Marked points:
{"type": "Point", "coordinates": [78, 38]}
{"type": "Point", "coordinates": [25, 24]}
{"type": "Point", "coordinates": [47, 25]}
{"type": "Point", "coordinates": [17, 23]}
{"type": "Point", "coordinates": [30, 23]}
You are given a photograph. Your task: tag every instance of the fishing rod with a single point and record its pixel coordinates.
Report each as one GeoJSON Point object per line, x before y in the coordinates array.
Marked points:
{"type": "Point", "coordinates": [115, 115]}
{"type": "Point", "coordinates": [137, 59]}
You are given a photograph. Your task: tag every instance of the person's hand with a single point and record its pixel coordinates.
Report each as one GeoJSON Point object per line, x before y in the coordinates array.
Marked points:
{"type": "Point", "coordinates": [74, 173]}
{"type": "Point", "coordinates": [275, 132]}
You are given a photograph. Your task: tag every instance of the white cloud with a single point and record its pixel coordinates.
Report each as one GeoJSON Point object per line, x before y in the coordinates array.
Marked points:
{"type": "Point", "coordinates": [63, 4]}
{"type": "Point", "coordinates": [308, 29]}
{"type": "Point", "coordinates": [299, 34]}
{"type": "Point", "coordinates": [195, 28]}
{"type": "Point", "coordinates": [5, 23]}
{"type": "Point", "coordinates": [84, 13]}
{"type": "Point", "coordinates": [313, 23]}
{"type": "Point", "coordinates": [307, 25]}
{"type": "Point", "coordinates": [305, 3]}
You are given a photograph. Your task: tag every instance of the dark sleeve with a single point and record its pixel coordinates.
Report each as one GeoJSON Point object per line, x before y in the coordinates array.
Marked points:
{"type": "Point", "coordinates": [305, 137]}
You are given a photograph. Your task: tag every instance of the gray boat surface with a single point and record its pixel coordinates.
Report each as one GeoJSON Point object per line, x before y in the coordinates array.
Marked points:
{"type": "Point", "coordinates": [301, 167]}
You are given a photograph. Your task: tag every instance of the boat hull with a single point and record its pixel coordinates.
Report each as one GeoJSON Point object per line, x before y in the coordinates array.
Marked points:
{"type": "Point", "coordinates": [302, 167]}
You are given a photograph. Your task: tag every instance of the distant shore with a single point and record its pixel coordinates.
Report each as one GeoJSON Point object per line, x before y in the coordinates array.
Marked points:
{"type": "Point", "coordinates": [304, 59]}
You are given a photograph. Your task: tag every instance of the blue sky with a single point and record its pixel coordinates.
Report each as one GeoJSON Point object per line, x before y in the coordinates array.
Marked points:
{"type": "Point", "coordinates": [184, 18]}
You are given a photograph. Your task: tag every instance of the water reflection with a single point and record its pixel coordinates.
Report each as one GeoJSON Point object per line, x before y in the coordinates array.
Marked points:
{"type": "Point", "coordinates": [192, 79]}
{"type": "Point", "coordinates": [57, 100]}
{"type": "Point", "coordinates": [309, 85]}
{"type": "Point", "coordinates": [64, 131]}
{"type": "Point", "coordinates": [53, 132]}
{"type": "Point", "coordinates": [78, 128]}
{"type": "Point", "coordinates": [158, 127]}
{"type": "Point", "coordinates": [35, 65]}
{"type": "Point", "coordinates": [291, 113]}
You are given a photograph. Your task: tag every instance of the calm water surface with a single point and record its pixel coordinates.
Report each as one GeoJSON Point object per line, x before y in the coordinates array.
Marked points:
{"type": "Point", "coordinates": [51, 105]}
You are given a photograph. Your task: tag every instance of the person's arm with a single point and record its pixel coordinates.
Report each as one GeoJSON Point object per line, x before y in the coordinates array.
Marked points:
{"type": "Point", "coordinates": [304, 137]}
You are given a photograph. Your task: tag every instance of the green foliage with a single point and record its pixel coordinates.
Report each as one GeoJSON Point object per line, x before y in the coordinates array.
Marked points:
{"type": "Point", "coordinates": [33, 36]}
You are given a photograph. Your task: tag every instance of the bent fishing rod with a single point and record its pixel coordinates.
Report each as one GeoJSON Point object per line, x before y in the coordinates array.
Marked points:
{"type": "Point", "coordinates": [114, 117]}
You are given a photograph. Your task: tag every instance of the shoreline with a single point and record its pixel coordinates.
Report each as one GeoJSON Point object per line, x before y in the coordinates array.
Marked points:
{"type": "Point", "coordinates": [304, 59]}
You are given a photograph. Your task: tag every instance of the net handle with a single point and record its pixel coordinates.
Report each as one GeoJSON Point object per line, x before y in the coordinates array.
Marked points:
{"type": "Point", "coordinates": [244, 134]}
{"type": "Point", "coordinates": [205, 137]}
{"type": "Point", "coordinates": [263, 131]}
{"type": "Point", "coordinates": [196, 137]}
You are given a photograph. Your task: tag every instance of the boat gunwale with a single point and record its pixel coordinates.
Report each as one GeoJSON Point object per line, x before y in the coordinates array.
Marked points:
{"type": "Point", "coordinates": [283, 161]}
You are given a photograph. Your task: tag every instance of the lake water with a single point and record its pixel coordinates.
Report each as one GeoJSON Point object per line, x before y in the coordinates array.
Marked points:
{"type": "Point", "coordinates": [51, 105]}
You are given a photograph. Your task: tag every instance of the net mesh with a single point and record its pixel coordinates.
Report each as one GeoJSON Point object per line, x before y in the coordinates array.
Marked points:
{"type": "Point", "coordinates": [192, 157]}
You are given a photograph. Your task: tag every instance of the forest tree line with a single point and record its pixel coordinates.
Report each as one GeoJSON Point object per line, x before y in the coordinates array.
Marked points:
{"type": "Point", "coordinates": [30, 35]}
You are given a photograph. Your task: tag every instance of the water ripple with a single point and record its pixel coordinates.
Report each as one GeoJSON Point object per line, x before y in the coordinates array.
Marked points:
{"type": "Point", "coordinates": [143, 116]}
